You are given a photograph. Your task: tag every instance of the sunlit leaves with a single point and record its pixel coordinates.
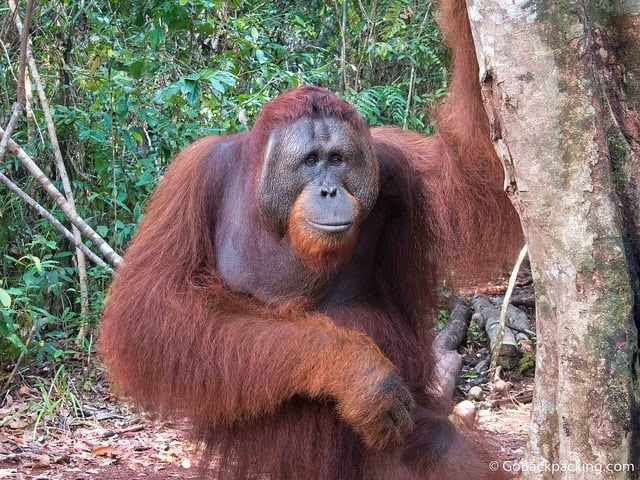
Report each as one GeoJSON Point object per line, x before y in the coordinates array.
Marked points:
{"type": "Point", "coordinates": [191, 86]}
{"type": "Point", "coordinates": [5, 298]}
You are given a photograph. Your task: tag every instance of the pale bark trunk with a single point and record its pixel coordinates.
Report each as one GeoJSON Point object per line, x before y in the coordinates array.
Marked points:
{"type": "Point", "coordinates": [565, 125]}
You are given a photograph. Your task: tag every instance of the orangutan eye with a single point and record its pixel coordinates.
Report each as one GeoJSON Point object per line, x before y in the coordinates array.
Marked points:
{"type": "Point", "coordinates": [311, 160]}
{"type": "Point", "coordinates": [335, 160]}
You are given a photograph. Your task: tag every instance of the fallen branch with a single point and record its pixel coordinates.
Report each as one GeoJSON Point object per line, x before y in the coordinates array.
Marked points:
{"type": "Point", "coordinates": [447, 370]}
{"type": "Point", "coordinates": [53, 220]}
{"type": "Point", "coordinates": [107, 252]}
{"type": "Point", "coordinates": [449, 361]}
{"type": "Point", "coordinates": [455, 331]}
{"type": "Point", "coordinates": [517, 320]}
{"type": "Point", "coordinates": [490, 315]}
{"type": "Point", "coordinates": [133, 428]}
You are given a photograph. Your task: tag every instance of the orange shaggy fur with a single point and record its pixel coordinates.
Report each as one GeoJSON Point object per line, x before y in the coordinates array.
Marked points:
{"type": "Point", "coordinates": [280, 387]}
{"type": "Point", "coordinates": [319, 252]}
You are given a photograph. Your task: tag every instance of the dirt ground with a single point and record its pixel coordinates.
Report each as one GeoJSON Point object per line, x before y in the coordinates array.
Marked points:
{"type": "Point", "coordinates": [108, 441]}
{"type": "Point", "coordinates": [103, 440]}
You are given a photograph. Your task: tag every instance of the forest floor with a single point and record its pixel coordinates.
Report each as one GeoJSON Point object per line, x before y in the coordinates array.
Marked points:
{"type": "Point", "coordinates": [108, 440]}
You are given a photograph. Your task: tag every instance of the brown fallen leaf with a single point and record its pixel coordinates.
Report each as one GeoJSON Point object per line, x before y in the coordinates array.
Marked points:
{"type": "Point", "coordinates": [106, 451]}
{"type": "Point", "coordinates": [17, 424]}
{"type": "Point", "coordinates": [24, 390]}
{"type": "Point", "coordinates": [42, 462]}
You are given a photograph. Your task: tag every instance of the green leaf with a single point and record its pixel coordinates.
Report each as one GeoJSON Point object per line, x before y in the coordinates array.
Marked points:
{"type": "Point", "coordinates": [220, 81]}
{"type": "Point", "coordinates": [137, 136]}
{"type": "Point", "coordinates": [192, 90]}
{"type": "Point", "coordinates": [156, 36]}
{"type": "Point", "coordinates": [166, 94]}
{"type": "Point", "coordinates": [137, 69]}
{"type": "Point", "coordinates": [5, 299]}
{"type": "Point", "coordinates": [100, 163]}
{"type": "Point", "coordinates": [145, 179]}
{"type": "Point", "coordinates": [17, 341]}
{"type": "Point", "coordinates": [36, 262]}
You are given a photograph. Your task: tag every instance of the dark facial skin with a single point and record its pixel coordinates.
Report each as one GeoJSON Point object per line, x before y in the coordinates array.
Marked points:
{"type": "Point", "coordinates": [325, 163]}
{"type": "Point", "coordinates": [287, 176]}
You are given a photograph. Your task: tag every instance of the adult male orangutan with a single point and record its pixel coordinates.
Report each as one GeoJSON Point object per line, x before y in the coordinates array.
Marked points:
{"type": "Point", "coordinates": [280, 289]}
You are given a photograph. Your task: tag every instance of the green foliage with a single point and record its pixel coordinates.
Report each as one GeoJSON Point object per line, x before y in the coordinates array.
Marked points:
{"type": "Point", "coordinates": [41, 306]}
{"type": "Point", "coordinates": [442, 319]}
{"type": "Point", "coordinates": [476, 335]}
{"type": "Point", "coordinates": [527, 361]}
{"type": "Point", "coordinates": [132, 83]}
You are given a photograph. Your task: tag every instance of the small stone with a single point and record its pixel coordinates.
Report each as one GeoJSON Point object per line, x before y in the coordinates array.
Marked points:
{"type": "Point", "coordinates": [500, 388]}
{"type": "Point", "coordinates": [464, 413]}
{"type": "Point", "coordinates": [475, 393]}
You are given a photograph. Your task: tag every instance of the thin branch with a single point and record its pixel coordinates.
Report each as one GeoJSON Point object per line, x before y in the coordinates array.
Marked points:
{"type": "Point", "coordinates": [343, 37]}
{"type": "Point", "coordinates": [6, 54]}
{"type": "Point", "coordinates": [343, 50]}
{"type": "Point", "coordinates": [28, 108]}
{"type": "Point", "coordinates": [25, 52]}
{"type": "Point", "coordinates": [35, 77]}
{"type": "Point", "coordinates": [18, 107]}
{"type": "Point", "coordinates": [53, 220]}
{"type": "Point", "coordinates": [526, 331]}
{"type": "Point", "coordinates": [505, 305]}
{"type": "Point", "coordinates": [367, 53]}
{"type": "Point", "coordinates": [6, 25]}
{"type": "Point", "coordinates": [412, 79]}
{"type": "Point", "coordinates": [24, 46]}
{"type": "Point", "coordinates": [107, 252]}
{"type": "Point", "coordinates": [15, 114]}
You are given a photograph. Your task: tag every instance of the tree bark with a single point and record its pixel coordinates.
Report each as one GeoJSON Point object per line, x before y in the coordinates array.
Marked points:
{"type": "Point", "coordinates": [565, 124]}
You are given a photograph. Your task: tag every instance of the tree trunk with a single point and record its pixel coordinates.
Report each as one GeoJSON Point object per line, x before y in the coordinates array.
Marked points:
{"type": "Point", "coordinates": [560, 81]}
